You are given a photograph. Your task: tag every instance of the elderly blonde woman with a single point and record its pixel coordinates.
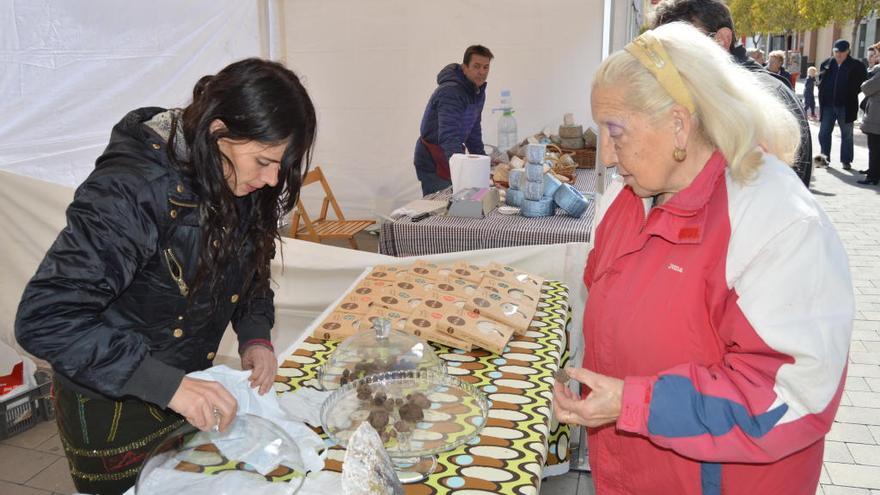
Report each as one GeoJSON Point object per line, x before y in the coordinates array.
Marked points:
{"type": "Point", "coordinates": [720, 303]}
{"type": "Point", "coordinates": [776, 65]}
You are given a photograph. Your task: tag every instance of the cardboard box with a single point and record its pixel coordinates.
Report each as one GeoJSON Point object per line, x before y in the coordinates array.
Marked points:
{"type": "Point", "coordinates": [385, 272]}
{"type": "Point", "coordinates": [467, 271]}
{"type": "Point", "coordinates": [407, 282]}
{"type": "Point", "coordinates": [503, 310]}
{"type": "Point", "coordinates": [401, 300]}
{"type": "Point", "coordinates": [423, 324]}
{"type": "Point", "coordinates": [398, 319]}
{"type": "Point", "coordinates": [339, 326]}
{"type": "Point", "coordinates": [371, 287]}
{"type": "Point", "coordinates": [425, 284]}
{"type": "Point", "coordinates": [431, 271]}
{"type": "Point", "coordinates": [355, 303]}
{"type": "Point", "coordinates": [515, 277]}
{"type": "Point", "coordinates": [523, 295]}
{"type": "Point", "coordinates": [473, 202]}
{"type": "Point", "coordinates": [476, 328]}
{"type": "Point", "coordinates": [460, 287]}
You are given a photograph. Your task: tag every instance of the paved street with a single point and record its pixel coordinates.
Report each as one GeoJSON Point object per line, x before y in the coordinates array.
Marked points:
{"type": "Point", "coordinates": [852, 448]}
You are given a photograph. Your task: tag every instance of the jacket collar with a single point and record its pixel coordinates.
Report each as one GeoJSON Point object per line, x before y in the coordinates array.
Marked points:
{"type": "Point", "coordinates": [453, 72]}
{"type": "Point", "coordinates": [681, 220]}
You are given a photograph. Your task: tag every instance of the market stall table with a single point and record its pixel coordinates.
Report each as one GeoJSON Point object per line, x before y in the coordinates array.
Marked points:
{"type": "Point", "coordinates": [519, 439]}
{"type": "Point", "coordinates": [445, 234]}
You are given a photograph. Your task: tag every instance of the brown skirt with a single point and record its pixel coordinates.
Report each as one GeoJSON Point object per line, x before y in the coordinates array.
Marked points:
{"type": "Point", "coordinates": [107, 441]}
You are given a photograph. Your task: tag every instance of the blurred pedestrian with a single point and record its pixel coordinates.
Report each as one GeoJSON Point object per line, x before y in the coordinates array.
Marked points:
{"type": "Point", "coordinates": [809, 93]}
{"type": "Point", "coordinates": [776, 65]}
{"type": "Point", "coordinates": [871, 122]}
{"type": "Point", "coordinates": [840, 81]}
{"type": "Point", "coordinates": [756, 54]}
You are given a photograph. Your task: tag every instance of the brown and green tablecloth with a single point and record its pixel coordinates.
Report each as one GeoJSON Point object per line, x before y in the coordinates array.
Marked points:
{"type": "Point", "coordinates": [521, 442]}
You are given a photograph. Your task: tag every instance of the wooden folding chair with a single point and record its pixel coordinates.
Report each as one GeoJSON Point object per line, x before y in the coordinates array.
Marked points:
{"type": "Point", "coordinates": [321, 228]}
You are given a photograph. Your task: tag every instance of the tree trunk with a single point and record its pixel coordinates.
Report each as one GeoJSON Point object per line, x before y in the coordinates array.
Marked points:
{"type": "Point", "coordinates": [855, 32]}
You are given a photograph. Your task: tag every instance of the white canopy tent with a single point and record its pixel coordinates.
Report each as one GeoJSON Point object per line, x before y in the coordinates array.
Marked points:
{"type": "Point", "coordinates": [70, 69]}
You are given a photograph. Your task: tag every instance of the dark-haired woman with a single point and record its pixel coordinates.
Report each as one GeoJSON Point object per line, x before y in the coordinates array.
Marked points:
{"type": "Point", "coordinates": [168, 241]}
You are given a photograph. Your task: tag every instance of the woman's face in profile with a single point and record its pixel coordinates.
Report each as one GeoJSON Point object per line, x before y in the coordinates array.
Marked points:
{"type": "Point", "coordinates": [251, 165]}
{"type": "Point", "coordinates": [640, 147]}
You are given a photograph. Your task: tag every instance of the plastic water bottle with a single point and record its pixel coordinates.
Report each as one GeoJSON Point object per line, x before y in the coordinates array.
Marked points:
{"type": "Point", "coordinates": [507, 137]}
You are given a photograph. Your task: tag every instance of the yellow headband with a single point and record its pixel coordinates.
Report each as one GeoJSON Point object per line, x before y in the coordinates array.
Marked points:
{"type": "Point", "coordinates": [650, 52]}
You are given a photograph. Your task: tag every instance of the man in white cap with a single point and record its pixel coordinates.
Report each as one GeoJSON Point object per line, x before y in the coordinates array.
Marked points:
{"type": "Point", "coordinates": [840, 81]}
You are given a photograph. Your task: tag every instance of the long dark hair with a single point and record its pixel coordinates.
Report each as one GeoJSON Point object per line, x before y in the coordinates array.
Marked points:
{"type": "Point", "coordinates": [257, 100]}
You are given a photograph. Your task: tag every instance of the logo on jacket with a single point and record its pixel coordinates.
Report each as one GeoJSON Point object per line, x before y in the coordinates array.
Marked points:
{"type": "Point", "coordinates": [675, 268]}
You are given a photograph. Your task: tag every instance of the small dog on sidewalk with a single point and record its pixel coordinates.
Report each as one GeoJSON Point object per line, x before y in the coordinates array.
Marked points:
{"type": "Point", "coordinates": [819, 161]}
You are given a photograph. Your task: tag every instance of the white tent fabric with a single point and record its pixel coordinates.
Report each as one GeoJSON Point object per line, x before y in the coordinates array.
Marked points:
{"type": "Point", "coordinates": [309, 277]}
{"type": "Point", "coordinates": [69, 70]}
{"type": "Point", "coordinates": [371, 66]}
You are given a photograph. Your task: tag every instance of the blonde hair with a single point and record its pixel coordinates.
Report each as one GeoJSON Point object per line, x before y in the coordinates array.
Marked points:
{"type": "Point", "coordinates": [777, 54]}
{"type": "Point", "coordinates": [735, 111]}
{"type": "Point", "coordinates": [811, 71]}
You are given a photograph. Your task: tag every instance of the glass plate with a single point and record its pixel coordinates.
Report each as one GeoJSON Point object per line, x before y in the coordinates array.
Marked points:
{"type": "Point", "coordinates": [452, 412]}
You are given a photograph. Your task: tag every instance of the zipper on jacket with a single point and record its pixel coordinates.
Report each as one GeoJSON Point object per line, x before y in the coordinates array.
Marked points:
{"type": "Point", "coordinates": [182, 203]}
{"type": "Point", "coordinates": [834, 90]}
{"type": "Point", "coordinates": [176, 271]}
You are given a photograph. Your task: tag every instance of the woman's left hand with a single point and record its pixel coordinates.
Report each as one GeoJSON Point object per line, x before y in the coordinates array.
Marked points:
{"type": "Point", "coordinates": [601, 405]}
{"type": "Point", "coordinates": [261, 360]}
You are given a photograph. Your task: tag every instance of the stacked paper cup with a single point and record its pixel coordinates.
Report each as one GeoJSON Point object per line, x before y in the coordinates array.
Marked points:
{"type": "Point", "coordinates": [514, 196]}
{"type": "Point", "coordinates": [535, 203]}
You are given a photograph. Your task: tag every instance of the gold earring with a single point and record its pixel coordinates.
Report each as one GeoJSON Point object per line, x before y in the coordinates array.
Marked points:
{"type": "Point", "coordinates": [679, 154]}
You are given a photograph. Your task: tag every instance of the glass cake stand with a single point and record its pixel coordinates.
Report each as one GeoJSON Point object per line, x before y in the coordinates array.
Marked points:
{"type": "Point", "coordinates": [417, 413]}
{"type": "Point", "coordinates": [378, 351]}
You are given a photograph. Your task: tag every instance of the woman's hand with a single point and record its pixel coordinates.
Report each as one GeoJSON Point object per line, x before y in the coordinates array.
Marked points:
{"type": "Point", "coordinates": [261, 360]}
{"type": "Point", "coordinates": [205, 404]}
{"type": "Point", "coordinates": [601, 406]}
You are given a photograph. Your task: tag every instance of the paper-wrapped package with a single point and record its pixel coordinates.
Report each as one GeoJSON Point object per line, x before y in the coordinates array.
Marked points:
{"type": "Point", "coordinates": [469, 171]}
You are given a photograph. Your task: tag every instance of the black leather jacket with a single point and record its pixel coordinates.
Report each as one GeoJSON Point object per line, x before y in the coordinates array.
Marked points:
{"type": "Point", "coordinates": [107, 306]}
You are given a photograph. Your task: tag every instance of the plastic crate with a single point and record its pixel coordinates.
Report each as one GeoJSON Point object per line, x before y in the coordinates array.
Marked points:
{"type": "Point", "coordinates": [23, 412]}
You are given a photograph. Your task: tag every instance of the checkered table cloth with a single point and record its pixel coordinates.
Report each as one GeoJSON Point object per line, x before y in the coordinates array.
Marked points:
{"type": "Point", "coordinates": [445, 234]}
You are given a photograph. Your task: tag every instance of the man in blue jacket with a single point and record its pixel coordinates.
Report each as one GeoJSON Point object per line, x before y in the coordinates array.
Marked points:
{"type": "Point", "coordinates": [840, 81]}
{"type": "Point", "coordinates": [452, 118]}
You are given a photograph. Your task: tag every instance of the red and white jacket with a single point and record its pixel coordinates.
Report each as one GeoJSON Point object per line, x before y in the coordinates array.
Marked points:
{"type": "Point", "coordinates": [727, 311]}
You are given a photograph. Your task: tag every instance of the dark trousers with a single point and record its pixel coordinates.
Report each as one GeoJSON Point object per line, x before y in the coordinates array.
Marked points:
{"type": "Point", "coordinates": [810, 105]}
{"type": "Point", "coordinates": [106, 442]}
{"type": "Point", "coordinates": [873, 157]}
{"type": "Point", "coordinates": [830, 115]}
{"type": "Point", "coordinates": [431, 182]}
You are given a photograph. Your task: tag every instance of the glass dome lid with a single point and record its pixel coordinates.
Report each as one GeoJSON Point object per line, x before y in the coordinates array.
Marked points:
{"type": "Point", "coordinates": [252, 455]}
{"type": "Point", "coordinates": [379, 350]}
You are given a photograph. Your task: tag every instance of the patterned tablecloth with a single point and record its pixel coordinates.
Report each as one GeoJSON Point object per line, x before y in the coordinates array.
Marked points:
{"type": "Point", "coordinates": [519, 438]}
{"type": "Point", "coordinates": [444, 234]}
